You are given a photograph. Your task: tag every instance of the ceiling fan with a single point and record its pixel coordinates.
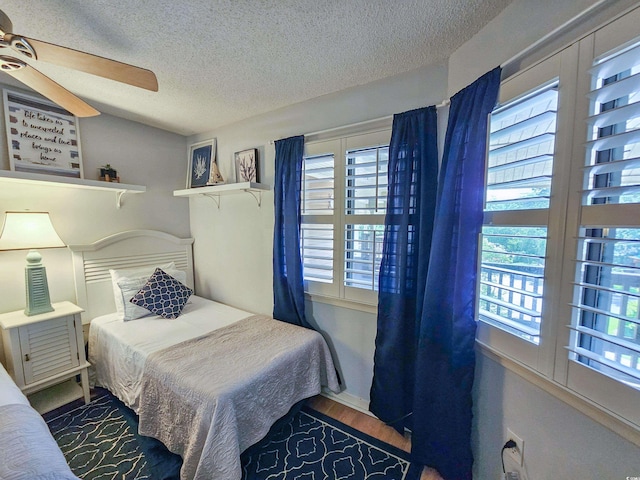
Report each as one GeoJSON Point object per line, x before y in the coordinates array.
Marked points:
{"type": "Point", "coordinates": [14, 48]}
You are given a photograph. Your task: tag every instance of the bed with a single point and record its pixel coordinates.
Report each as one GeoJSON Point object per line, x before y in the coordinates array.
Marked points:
{"type": "Point", "coordinates": [27, 449]}
{"type": "Point", "coordinates": [209, 383]}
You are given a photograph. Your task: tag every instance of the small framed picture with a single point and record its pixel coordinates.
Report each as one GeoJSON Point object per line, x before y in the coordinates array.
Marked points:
{"type": "Point", "coordinates": [203, 170]}
{"type": "Point", "coordinates": [247, 165]}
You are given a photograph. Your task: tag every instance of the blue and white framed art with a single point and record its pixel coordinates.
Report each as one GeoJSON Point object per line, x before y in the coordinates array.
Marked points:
{"type": "Point", "coordinates": [203, 169]}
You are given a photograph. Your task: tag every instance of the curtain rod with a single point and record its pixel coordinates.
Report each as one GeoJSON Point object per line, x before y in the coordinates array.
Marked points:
{"type": "Point", "coordinates": [443, 103]}
{"type": "Point", "coordinates": [555, 33]}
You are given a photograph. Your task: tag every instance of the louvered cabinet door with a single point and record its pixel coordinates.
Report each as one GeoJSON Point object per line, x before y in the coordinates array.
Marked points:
{"type": "Point", "coordinates": [48, 348]}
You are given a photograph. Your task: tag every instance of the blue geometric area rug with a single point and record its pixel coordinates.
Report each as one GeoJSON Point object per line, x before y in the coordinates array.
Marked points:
{"type": "Point", "coordinates": [313, 446]}
{"type": "Point", "coordinates": [100, 441]}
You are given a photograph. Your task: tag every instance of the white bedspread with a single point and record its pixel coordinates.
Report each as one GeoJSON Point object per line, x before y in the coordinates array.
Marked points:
{"type": "Point", "coordinates": [212, 397]}
{"type": "Point", "coordinates": [27, 449]}
{"type": "Point", "coordinates": [209, 403]}
{"type": "Point", "coordinates": [118, 350]}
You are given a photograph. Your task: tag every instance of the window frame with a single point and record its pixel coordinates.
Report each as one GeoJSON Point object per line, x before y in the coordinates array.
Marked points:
{"type": "Point", "coordinates": [555, 68]}
{"type": "Point", "coordinates": [611, 394]}
{"type": "Point", "coordinates": [549, 366]}
{"type": "Point", "coordinates": [336, 292]}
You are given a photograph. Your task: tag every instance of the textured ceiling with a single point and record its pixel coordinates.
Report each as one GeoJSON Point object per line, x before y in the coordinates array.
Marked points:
{"type": "Point", "coordinates": [221, 61]}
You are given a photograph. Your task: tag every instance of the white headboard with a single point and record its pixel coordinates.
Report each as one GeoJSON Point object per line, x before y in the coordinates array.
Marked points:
{"type": "Point", "coordinates": [134, 248]}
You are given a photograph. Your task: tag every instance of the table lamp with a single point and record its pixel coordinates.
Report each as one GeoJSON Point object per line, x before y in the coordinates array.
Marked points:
{"type": "Point", "coordinates": [28, 231]}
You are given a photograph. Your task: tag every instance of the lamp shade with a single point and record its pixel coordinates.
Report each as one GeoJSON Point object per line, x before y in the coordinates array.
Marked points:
{"type": "Point", "coordinates": [28, 230]}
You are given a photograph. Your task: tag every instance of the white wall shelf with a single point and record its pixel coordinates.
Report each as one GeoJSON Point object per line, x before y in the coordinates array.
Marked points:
{"type": "Point", "coordinates": [56, 181]}
{"type": "Point", "coordinates": [216, 191]}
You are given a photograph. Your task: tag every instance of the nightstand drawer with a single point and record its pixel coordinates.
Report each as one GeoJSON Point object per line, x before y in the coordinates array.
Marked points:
{"type": "Point", "coordinates": [48, 348]}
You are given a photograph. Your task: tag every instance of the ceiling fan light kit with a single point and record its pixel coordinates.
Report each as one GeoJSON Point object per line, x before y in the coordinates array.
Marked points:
{"type": "Point", "coordinates": [8, 64]}
{"type": "Point", "coordinates": [36, 50]}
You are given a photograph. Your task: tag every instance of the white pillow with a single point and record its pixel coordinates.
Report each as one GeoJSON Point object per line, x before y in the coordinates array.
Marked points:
{"type": "Point", "coordinates": [133, 279]}
{"type": "Point", "coordinates": [130, 286]}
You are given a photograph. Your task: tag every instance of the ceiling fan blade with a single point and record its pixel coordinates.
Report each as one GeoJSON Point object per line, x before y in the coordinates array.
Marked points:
{"type": "Point", "coordinates": [86, 62]}
{"type": "Point", "coordinates": [50, 89]}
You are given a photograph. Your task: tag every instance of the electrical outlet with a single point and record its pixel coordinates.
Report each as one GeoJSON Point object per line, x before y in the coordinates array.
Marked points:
{"type": "Point", "coordinates": [516, 453]}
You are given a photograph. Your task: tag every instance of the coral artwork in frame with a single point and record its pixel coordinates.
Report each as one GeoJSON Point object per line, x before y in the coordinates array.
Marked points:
{"type": "Point", "coordinates": [203, 170]}
{"type": "Point", "coordinates": [247, 165]}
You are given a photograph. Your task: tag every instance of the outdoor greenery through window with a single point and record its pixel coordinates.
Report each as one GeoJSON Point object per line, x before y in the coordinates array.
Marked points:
{"type": "Point", "coordinates": [606, 334]}
{"type": "Point", "coordinates": [512, 279]}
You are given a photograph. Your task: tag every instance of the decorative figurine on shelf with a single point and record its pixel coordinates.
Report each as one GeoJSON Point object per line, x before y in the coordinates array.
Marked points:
{"type": "Point", "coordinates": [215, 178]}
{"type": "Point", "coordinates": [109, 174]}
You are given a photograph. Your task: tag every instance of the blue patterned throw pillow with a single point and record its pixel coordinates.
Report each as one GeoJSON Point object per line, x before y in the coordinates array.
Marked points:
{"type": "Point", "coordinates": [162, 295]}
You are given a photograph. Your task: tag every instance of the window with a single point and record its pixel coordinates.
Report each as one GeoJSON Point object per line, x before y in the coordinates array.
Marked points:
{"type": "Point", "coordinates": [606, 318]}
{"type": "Point", "coordinates": [516, 258]}
{"type": "Point", "coordinates": [605, 333]}
{"type": "Point", "coordinates": [519, 168]}
{"type": "Point", "coordinates": [512, 279]}
{"type": "Point", "coordinates": [559, 268]}
{"type": "Point", "coordinates": [343, 215]}
{"type": "Point", "coordinates": [365, 201]}
{"type": "Point", "coordinates": [318, 202]}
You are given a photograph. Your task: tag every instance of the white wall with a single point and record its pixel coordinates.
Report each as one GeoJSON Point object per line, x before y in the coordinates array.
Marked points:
{"type": "Point", "coordinates": [519, 26]}
{"type": "Point", "coordinates": [142, 155]}
{"type": "Point", "coordinates": [559, 441]}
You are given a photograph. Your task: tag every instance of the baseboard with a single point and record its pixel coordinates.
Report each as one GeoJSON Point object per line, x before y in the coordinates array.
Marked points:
{"type": "Point", "coordinates": [349, 400]}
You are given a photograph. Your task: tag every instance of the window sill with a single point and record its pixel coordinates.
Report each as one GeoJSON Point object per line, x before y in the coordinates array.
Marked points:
{"type": "Point", "coordinates": [340, 302]}
{"type": "Point", "coordinates": [596, 412]}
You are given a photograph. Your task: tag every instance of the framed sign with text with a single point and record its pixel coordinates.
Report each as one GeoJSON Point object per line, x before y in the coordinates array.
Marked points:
{"type": "Point", "coordinates": [41, 136]}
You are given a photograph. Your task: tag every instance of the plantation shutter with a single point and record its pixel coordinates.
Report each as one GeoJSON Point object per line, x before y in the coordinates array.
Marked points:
{"type": "Point", "coordinates": [606, 321]}
{"type": "Point", "coordinates": [365, 206]}
{"type": "Point", "coordinates": [519, 172]}
{"type": "Point", "coordinates": [316, 240]}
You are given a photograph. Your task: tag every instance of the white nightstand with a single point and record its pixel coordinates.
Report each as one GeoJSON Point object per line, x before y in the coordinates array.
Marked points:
{"type": "Point", "coordinates": [46, 349]}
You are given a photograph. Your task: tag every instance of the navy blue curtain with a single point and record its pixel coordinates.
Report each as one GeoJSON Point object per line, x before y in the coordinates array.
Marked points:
{"type": "Point", "coordinates": [288, 288]}
{"type": "Point", "coordinates": [445, 362]}
{"type": "Point", "coordinates": [411, 199]}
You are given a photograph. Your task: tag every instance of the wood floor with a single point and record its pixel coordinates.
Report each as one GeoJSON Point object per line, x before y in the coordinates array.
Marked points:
{"type": "Point", "coordinates": [367, 424]}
